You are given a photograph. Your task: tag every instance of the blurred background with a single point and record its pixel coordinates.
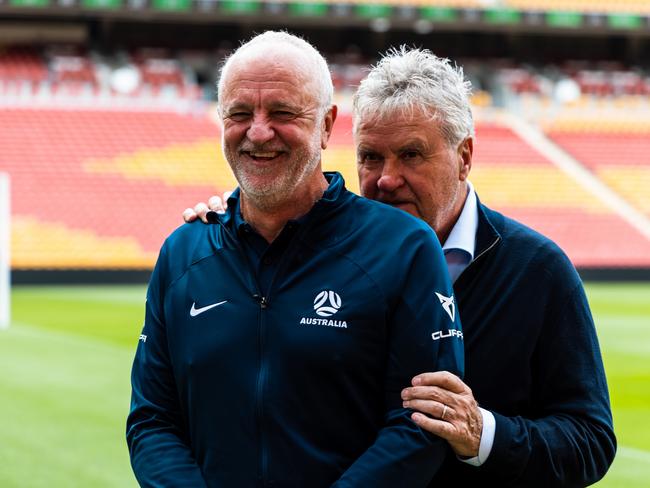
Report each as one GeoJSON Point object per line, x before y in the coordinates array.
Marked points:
{"type": "Point", "coordinates": [108, 131]}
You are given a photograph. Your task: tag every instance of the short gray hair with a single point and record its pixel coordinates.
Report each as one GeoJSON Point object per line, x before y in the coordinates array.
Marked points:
{"type": "Point", "coordinates": [407, 79]}
{"type": "Point", "coordinates": [318, 69]}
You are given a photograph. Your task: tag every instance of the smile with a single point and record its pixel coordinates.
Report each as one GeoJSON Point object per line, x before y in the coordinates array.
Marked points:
{"type": "Point", "coordinates": [262, 156]}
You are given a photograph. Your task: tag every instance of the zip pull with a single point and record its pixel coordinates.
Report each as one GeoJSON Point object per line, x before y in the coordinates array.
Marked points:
{"type": "Point", "coordinates": [261, 300]}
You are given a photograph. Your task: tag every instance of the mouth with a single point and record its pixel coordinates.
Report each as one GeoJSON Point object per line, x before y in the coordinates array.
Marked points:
{"type": "Point", "coordinates": [262, 156]}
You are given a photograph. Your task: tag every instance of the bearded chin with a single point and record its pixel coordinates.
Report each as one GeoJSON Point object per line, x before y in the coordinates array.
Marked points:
{"type": "Point", "coordinates": [268, 194]}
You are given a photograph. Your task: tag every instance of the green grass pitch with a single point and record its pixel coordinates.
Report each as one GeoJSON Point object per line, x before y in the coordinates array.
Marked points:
{"type": "Point", "coordinates": [64, 383]}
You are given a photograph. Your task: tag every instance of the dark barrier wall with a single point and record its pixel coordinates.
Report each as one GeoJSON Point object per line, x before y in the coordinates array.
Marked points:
{"type": "Point", "coordinates": [51, 277]}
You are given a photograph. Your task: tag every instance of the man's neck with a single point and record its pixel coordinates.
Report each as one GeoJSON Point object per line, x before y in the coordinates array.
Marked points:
{"type": "Point", "coordinates": [269, 221]}
{"type": "Point", "coordinates": [444, 231]}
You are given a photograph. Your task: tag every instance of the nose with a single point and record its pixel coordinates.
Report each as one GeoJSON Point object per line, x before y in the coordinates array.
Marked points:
{"type": "Point", "coordinates": [260, 130]}
{"type": "Point", "coordinates": [391, 177]}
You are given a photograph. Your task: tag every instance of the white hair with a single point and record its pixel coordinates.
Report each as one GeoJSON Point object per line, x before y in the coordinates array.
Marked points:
{"type": "Point", "coordinates": [317, 66]}
{"type": "Point", "coordinates": [409, 79]}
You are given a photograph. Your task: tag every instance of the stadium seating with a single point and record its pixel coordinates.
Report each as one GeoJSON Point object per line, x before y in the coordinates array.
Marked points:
{"type": "Point", "coordinates": [70, 72]}
{"type": "Point", "coordinates": [588, 6]}
{"type": "Point", "coordinates": [513, 178]}
{"type": "Point", "coordinates": [21, 68]}
{"type": "Point", "coordinates": [615, 151]}
{"type": "Point", "coordinates": [102, 189]}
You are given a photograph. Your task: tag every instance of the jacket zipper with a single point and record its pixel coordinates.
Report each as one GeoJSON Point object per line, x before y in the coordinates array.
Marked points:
{"type": "Point", "coordinates": [262, 368]}
{"type": "Point", "coordinates": [261, 379]}
{"type": "Point", "coordinates": [481, 254]}
{"type": "Point", "coordinates": [263, 302]}
{"type": "Point", "coordinates": [259, 390]}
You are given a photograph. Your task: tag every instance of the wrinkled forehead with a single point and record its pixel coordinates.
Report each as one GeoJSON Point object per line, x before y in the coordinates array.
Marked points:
{"type": "Point", "coordinates": [416, 116]}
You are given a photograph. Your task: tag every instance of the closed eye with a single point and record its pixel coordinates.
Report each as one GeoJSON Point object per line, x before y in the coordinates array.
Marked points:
{"type": "Point", "coordinates": [283, 115]}
{"type": "Point", "coordinates": [238, 116]}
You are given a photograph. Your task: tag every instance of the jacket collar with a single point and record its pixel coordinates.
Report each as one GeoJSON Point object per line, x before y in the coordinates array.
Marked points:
{"type": "Point", "coordinates": [487, 236]}
{"type": "Point", "coordinates": [333, 196]}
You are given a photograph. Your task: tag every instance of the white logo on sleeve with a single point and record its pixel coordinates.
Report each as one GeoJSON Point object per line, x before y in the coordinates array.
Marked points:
{"type": "Point", "coordinates": [197, 311]}
{"type": "Point", "coordinates": [448, 305]}
{"type": "Point", "coordinates": [331, 307]}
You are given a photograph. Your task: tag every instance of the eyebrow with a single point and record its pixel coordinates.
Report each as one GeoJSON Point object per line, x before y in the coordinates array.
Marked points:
{"type": "Point", "coordinates": [273, 106]}
{"type": "Point", "coordinates": [365, 149]}
{"type": "Point", "coordinates": [276, 105]}
{"type": "Point", "coordinates": [412, 144]}
{"type": "Point", "coordinates": [237, 106]}
{"type": "Point", "coordinates": [407, 146]}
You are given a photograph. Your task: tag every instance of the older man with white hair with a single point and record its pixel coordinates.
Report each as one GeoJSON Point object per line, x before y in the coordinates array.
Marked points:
{"type": "Point", "coordinates": [532, 358]}
{"type": "Point", "coordinates": [276, 343]}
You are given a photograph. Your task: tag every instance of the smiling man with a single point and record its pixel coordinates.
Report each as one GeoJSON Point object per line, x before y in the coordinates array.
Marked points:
{"type": "Point", "coordinates": [279, 339]}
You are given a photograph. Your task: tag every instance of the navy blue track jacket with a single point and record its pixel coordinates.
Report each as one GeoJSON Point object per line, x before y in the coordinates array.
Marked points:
{"type": "Point", "coordinates": [532, 358]}
{"type": "Point", "coordinates": [298, 384]}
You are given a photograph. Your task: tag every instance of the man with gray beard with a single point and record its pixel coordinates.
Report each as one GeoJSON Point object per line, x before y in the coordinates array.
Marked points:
{"type": "Point", "coordinates": [277, 341]}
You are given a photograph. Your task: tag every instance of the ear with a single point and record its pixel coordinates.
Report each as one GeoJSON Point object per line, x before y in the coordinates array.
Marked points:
{"type": "Point", "coordinates": [328, 123]}
{"type": "Point", "coordinates": [465, 151]}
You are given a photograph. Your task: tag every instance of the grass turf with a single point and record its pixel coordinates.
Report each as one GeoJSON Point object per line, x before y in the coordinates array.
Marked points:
{"type": "Point", "coordinates": [64, 383]}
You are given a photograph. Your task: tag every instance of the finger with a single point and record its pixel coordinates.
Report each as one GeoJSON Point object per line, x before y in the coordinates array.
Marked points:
{"type": "Point", "coordinates": [201, 209]}
{"type": "Point", "coordinates": [430, 393]}
{"type": "Point", "coordinates": [189, 215]}
{"type": "Point", "coordinates": [434, 409]}
{"type": "Point", "coordinates": [216, 204]}
{"type": "Point", "coordinates": [443, 379]}
{"type": "Point", "coordinates": [434, 426]}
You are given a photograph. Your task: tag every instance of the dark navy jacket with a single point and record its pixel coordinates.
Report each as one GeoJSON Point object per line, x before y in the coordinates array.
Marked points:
{"type": "Point", "coordinates": [297, 385]}
{"type": "Point", "coordinates": [533, 360]}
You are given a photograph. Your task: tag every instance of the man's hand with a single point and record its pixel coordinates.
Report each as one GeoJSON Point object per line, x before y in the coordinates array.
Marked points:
{"type": "Point", "coordinates": [201, 210]}
{"type": "Point", "coordinates": [451, 410]}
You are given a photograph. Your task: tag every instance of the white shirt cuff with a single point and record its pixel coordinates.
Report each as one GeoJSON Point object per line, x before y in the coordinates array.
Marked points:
{"type": "Point", "coordinates": [487, 439]}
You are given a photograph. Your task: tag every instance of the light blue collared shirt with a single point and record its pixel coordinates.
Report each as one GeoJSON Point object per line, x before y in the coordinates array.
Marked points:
{"type": "Point", "coordinates": [459, 252]}
{"type": "Point", "coordinates": [461, 243]}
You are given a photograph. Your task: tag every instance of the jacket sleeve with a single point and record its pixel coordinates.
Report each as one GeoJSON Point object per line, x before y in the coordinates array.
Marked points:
{"type": "Point", "coordinates": [157, 440]}
{"type": "Point", "coordinates": [571, 442]}
{"type": "Point", "coordinates": [403, 454]}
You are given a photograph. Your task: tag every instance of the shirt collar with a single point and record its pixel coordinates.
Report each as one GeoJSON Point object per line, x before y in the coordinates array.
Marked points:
{"type": "Point", "coordinates": [463, 234]}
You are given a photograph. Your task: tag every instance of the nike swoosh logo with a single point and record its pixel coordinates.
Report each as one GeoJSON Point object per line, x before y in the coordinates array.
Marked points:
{"type": "Point", "coordinates": [197, 311]}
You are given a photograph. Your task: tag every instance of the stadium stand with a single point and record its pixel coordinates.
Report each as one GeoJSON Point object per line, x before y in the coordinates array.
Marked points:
{"type": "Point", "coordinates": [101, 189]}
{"type": "Point", "coordinates": [515, 179]}
{"type": "Point", "coordinates": [21, 68]}
{"type": "Point", "coordinates": [106, 147]}
{"type": "Point", "coordinates": [617, 152]}
{"type": "Point", "coordinates": [590, 6]}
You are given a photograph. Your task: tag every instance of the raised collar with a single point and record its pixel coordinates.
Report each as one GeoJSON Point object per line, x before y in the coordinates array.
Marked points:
{"type": "Point", "coordinates": [330, 196]}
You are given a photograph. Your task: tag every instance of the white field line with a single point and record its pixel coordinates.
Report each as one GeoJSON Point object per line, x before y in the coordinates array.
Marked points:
{"type": "Point", "coordinates": [569, 165]}
{"type": "Point", "coordinates": [633, 453]}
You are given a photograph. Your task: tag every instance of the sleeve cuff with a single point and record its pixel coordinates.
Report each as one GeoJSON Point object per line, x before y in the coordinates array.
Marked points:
{"type": "Point", "coordinates": [487, 439]}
